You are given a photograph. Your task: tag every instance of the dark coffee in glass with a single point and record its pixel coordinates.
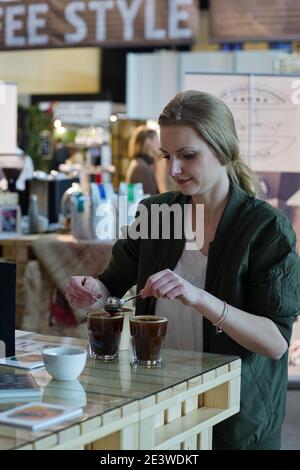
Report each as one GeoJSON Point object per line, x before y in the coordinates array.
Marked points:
{"type": "Point", "coordinates": [104, 332]}
{"type": "Point", "coordinates": [147, 335]}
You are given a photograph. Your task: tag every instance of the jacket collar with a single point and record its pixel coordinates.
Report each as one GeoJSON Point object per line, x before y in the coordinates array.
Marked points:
{"type": "Point", "coordinates": [217, 247]}
{"type": "Point", "coordinates": [236, 199]}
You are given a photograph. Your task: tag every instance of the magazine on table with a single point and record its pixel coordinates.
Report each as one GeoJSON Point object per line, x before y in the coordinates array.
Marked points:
{"type": "Point", "coordinates": [23, 361]}
{"type": "Point", "coordinates": [21, 333]}
{"type": "Point", "coordinates": [36, 416]}
{"type": "Point", "coordinates": [18, 386]}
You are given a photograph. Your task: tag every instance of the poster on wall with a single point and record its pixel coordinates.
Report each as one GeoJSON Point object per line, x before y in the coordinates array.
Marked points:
{"type": "Point", "coordinates": [267, 116]}
{"type": "Point", "coordinates": [8, 118]}
{"type": "Point", "coordinates": [233, 89]}
{"type": "Point", "coordinates": [266, 110]}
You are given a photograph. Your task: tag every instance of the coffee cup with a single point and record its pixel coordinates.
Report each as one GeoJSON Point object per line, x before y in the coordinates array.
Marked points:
{"type": "Point", "coordinates": [104, 333]}
{"type": "Point", "coordinates": [147, 336]}
{"type": "Point", "coordinates": [64, 362]}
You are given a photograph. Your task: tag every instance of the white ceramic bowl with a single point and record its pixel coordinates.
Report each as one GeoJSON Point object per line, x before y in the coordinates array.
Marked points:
{"type": "Point", "coordinates": [64, 362]}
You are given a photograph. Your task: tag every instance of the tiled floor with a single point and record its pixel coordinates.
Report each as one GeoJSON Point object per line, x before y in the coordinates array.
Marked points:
{"type": "Point", "coordinates": [291, 427]}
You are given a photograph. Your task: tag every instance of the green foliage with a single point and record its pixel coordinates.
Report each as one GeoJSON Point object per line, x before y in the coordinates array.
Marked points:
{"type": "Point", "coordinates": [68, 137]}
{"type": "Point", "coordinates": [38, 124]}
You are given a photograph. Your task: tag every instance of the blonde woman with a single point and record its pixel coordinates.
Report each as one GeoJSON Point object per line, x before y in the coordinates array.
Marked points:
{"type": "Point", "coordinates": [143, 150]}
{"type": "Point", "coordinates": [238, 293]}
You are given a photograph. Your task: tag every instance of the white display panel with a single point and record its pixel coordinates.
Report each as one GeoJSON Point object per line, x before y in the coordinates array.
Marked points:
{"type": "Point", "coordinates": [266, 115]}
{"type": "Point", "coordinates": [152, 80]}
{"type": "Point", "coordinates": [8, 118]}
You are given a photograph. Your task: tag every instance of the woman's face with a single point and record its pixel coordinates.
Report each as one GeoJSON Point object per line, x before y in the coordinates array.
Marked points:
{"type": "Point", "coordinates": [190, 162]}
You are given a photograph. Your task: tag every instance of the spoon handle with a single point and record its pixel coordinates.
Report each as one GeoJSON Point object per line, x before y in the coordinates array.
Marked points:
{"type": "Point", "coordinates": [130, 298]}
{"type": "Point", "coordinates": [94, 297]}
{"type": "Point", "coordinates": [98, 300]}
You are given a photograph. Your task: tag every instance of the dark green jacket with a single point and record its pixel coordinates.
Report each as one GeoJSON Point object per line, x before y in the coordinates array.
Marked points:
{"type": "Point", "coordinates": [253, 266]}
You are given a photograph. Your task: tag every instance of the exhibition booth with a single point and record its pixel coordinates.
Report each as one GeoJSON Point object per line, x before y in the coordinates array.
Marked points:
{"type": "Point", "coordinates": [65, 201]}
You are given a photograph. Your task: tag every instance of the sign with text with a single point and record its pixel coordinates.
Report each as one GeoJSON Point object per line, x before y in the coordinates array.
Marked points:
{"type": "Point", "coordinates": [266, 112]}
{"type": "Point", "coordinates": [28, 24]}
{"type": "Point", "coordinates": [242, 20]}
{"type": "Point", "coordinates": [84, 113]}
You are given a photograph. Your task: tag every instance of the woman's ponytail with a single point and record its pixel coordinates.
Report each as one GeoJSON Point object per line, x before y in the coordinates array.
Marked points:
{"type": "Point", "coordinates": [239, 172]}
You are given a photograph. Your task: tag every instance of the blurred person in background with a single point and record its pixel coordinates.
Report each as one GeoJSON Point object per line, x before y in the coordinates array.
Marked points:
{"type": "Point", "coordinates": [60, 154]}
{"type": "Point", "coordinates": [143, 151]}
{"type": "Point", "coordinates": [76, 156]}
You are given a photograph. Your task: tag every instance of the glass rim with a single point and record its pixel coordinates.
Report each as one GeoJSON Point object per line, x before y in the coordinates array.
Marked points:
{"type": "Point", "coordinates": [109, 316]}
{"type": "Point", "coordinates": [158, 318]}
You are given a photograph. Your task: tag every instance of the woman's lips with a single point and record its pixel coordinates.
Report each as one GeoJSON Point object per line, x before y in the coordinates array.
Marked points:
{"type": "Point", "coordinates": [181, 182]}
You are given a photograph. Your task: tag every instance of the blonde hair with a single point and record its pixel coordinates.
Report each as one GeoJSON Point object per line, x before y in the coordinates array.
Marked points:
{"type": "Point", "coordinates": [139, 141]}
{"type": "Point", "coordinates": [213, 121]}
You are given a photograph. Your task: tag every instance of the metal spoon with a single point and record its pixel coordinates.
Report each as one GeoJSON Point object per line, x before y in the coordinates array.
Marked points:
{"type": "Point", "coordinates": [98, 300]}
{"type": "Point", "coordinates": [114, 303]}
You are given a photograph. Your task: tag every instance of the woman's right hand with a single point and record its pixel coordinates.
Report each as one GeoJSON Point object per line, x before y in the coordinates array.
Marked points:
{"type": "Point", "coordinates": [81, 291]}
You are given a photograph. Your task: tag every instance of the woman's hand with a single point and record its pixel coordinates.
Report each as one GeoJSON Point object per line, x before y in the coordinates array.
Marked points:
{"type": "Point", "coordinates": [82, 291]}
{"type": "Point", "coordinates": [168, 285]}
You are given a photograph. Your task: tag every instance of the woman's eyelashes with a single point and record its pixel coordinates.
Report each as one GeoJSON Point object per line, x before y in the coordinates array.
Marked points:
{"type": "Point", "coordinates": [184, 156]}
{"type": "Point", "coordinates": [188, 156]}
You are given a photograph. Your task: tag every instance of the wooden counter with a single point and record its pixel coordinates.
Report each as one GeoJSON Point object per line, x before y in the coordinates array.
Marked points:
{"type": "Point", "coordinates": [172, 407]}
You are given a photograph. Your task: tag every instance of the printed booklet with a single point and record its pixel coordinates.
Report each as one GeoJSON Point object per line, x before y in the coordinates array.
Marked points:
{"type": "Point", "coordinates": [23, 361]}
{"type": "Point", "coordinates": [36, 416]}
{"type": "Point", "coordinates": [18, 386]}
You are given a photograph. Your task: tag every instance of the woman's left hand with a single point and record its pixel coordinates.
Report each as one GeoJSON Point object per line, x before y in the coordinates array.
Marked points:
{"type": "Point", "coordinates": [168, 285]}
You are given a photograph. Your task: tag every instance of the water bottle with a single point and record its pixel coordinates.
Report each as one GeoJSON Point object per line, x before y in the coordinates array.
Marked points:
{"type": "Point", "coordinates": [81, 223]}
{"type": "Point", "coordinates": [33, 214]}
{"type": "Point", "coordinates": [106, 155]}
{"type": "Point", "coordinates": [132, 204]}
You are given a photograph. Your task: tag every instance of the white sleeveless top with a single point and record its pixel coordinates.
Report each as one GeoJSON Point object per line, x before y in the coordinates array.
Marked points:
{"type": "Point", "coordinates": [185, 326]}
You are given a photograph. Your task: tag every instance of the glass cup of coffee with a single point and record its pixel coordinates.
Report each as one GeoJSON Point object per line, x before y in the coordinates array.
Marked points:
{"type": "Point", "coordinates": [147, 336]}
{"type": "Point", "coordinates": [104, 332]}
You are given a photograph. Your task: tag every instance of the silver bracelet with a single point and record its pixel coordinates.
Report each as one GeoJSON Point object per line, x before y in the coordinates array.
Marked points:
{"type": "Point", "coordinates": [220, 322]}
